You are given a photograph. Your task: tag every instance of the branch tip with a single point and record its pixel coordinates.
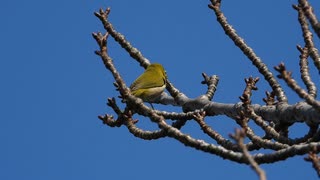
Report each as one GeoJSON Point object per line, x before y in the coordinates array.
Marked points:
{"type": "Point", "coordinates": [296, 7]}
{"type": "Point", "coordinates": [97, 53]}
{"type": "Point", "coordinates": [101, 117]}
{"type": "Point", "coordinates": [300, 49]}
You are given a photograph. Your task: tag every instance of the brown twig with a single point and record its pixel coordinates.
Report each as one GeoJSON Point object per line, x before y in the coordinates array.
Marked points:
{"type": "Point", "coordinates": [286, 76]}
{"type": "Point", "coordinates": [270, 99]}
{"type": "Point", "coordinates": [133, 52]}
{"type": "Point", "coordinates": [212, 83]}
{"type": "Point", "coordinates": [304, 70]}
{"type": "Point", "coordinates": [250, 85]}
{"type": "Point", "coordinates": [199, 118]}
{"type": "Point", "coordinates": [308, 36]}
{"type": "Point", "coordinates": [257, 141]}
{"type": "Point", "coordinates": [308, 11]}
{"type": "Point", "coordinates": [315, 160]}
{"type": "Point", "coordinates": [108, 119]}
{"type": "Point", "coordinates": [238, 137]}
{"type": "Point", "coordinates": [249, 113]}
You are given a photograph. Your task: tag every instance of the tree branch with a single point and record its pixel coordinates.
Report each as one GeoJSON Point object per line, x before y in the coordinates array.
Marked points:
{"type": "Point", "coordinates": [238, 137]}
{"type": "Point", "coordinates": [308, 11]}
{"type": "Point", "coordinates": [239, 42]}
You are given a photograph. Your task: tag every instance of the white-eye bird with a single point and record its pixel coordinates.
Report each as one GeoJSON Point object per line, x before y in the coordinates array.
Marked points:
{"type": "Point", "coordinates": [150, 84]}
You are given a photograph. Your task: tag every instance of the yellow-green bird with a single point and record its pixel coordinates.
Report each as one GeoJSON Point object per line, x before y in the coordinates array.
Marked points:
{"type": "Point", "coordinates": [150, 84]}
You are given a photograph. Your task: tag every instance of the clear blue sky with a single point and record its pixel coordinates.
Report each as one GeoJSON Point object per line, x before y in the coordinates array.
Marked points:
{"type": "Point", "coordinates": [54, 86]}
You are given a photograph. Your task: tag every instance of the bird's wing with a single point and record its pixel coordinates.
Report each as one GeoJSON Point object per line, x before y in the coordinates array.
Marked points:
{"type": "Point", "coordinates": [147, 84]}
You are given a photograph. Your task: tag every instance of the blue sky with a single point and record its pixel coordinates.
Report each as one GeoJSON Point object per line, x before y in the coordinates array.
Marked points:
{"type": "Point", "coordinates": [54, 86]}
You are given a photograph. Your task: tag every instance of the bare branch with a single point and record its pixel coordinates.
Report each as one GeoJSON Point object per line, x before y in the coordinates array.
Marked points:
{"type": "Point", "coordinates": [286, 76]}
{"type": "Point", "coordinates": [308, 37]}
{"type": "Point", "coordinates": [256, 61]}
{"type": "Point", "coordinates": [315, 160]}
{"type": "Point", "coordinates": [199, 118]}
{"type": "Point", "coordinates": [134, 52]}
{"type": "Point", "coordinates": [238, 137]}
{"type": "Point", "coordinates": [270, 100]}
{"type": "Point", "coordinates": [212, 83]}
{"type": "Point", "coordinates": [248, 113]}
{"type": "Point", "coordinates": [308, 11]}
{"type": "Point", "coordinates": [304, 70]}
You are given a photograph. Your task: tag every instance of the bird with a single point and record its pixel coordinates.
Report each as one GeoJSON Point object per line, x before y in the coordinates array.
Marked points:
{"type": "Point", "coordinates": [150, 84]}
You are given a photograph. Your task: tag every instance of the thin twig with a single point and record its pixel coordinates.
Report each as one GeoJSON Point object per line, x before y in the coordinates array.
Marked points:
{"type": "Point", "coordinates": [308, 11]}
{"type": "Point", "coordinates": [270, 99]}
{"type": "Point", "coordinates": [308, 36]}
{"type": "Point", "coordinates": [133, 52]}
{"type": "Point", "coordinates": [199, 118]}
{"type": "Point", "coordinates": [212, 83]}
{"type": "Point", "coordinates": [286, 76]}
{"type": "Point", "coordinates": [238, 137]}
{"type": "Point", "coordinates": [304, 70]}
{"type": "Point", "coordinates": [315, 160]}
